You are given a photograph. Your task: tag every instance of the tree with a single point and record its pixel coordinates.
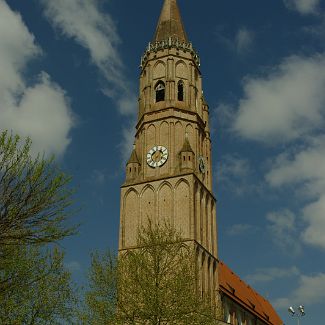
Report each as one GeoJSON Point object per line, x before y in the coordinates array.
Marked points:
{"type": "Point", "coordinates": [154, 284]}
{"type": "Point", "coordinates": [42, 292]}
{"type": "Point", "coordinates": [34, 197]}
{"type": "Point", "coordinates": [34, 209]}
{"type": "Point", "coordinates": [101, 297]}
{"type": "Point", "coordinates": [34, 200]}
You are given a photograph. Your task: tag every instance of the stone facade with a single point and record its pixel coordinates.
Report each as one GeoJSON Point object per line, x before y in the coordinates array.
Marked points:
{"type": "Point", "coordinates": [184, 202]}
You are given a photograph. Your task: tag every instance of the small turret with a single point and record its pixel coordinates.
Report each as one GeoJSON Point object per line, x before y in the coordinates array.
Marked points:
{"type": "Point", "coordinates": [187, 156]}
{"type": "Point", "coordinates": [132, 166]}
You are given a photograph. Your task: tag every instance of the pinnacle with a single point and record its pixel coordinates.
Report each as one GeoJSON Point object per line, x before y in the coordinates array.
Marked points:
{"type": "Point", "coordinates": [133, 158]}
{"type": "Point", "coordinates": [170, 23]}
{"type": "Point", "coordinates": [186, 146]}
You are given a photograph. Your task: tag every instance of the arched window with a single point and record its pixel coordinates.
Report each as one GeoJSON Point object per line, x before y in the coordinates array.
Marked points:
{"type": "Point", "coordinates": [160, 91]}
{"type": "Point", "coordinates": [180, 91]}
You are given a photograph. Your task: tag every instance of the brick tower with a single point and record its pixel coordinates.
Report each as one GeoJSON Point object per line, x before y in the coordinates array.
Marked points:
{"type": "Point", "coordinates": [169, 174]}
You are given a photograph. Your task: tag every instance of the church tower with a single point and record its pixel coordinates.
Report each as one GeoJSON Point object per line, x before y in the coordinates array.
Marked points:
{"type": "Point", "coordinates": [169, 173]}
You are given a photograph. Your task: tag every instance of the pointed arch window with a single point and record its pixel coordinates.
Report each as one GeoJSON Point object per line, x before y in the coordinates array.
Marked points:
{"type": "Point", "coordinates": [180, 91]}
{"type": "Point", "coordinates": [160, 91]}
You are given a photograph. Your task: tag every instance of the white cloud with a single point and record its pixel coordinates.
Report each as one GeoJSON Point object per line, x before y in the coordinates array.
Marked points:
{"type": "Point", "coordinates": [234, 166]}
{"type": "Point", "coordinates": [127, 143]}
{"type": "Point", "coordinates": [83, 21]}
{"type": "Point", "coordinates": [240, 229]}
{"type": "Point", "coordinates": [306, 171]}
{"type": "Point", "coordinates": [314, 215]}
{"type": "Point", "coordinates": [40, 111]}
{"type": "Point", "coordinates": [283, 230]}
{"type": "Point", "coordinates": [306, 168]}
{"type": "Point", "coordinates": [285, 104]}
{"type": "Point", "coordinates": [271, 274]}
{"type": "Point", "coordinates": [235, 174]}
{"type": "Point", "coordinates": [317, 31]}
{"type": "Point", "coordinates": [240, 43]}
{"type": "Point", "coordinates": [244, 40]}
{"type": "Point", "coordinates": [17, 46]}
{"type": "Point", "coordinates": [310, 290]}
{"type": "Point", "coordinates": [98, 176]}
{"type": "Point", "coordinates": [224, 115]}
{"type": "Point", "coordinates": [303, 6]}
{"type": "Point", "coordinates": [127, 104]}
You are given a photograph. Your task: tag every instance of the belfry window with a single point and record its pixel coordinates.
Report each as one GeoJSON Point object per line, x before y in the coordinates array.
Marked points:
{"type": "Point", "coordinates": [160, 91]}
{"type": "Point", "coordinates": [180, 91]}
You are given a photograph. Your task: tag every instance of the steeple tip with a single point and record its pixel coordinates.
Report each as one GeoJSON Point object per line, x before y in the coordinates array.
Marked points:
{"type": "Point", "coordinates": [170, 23]}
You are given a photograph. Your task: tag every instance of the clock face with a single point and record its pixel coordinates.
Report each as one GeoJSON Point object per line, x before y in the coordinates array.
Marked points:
{"type": "Point", "coordinates": [157, 156]}
{"type": "Point", "coordinates": [201, 164]}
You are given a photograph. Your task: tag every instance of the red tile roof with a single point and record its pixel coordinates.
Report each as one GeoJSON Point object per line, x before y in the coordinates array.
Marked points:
{"type": "Point", "coordinates": [235, 288]}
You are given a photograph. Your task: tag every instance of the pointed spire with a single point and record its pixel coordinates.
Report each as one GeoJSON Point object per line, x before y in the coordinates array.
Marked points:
{"type": "Point", "coordinates": [186, 146]}
{"type": "Point", "coordinates": [133, 157]}
{"type": "Point", "coordinates": [170, 23]}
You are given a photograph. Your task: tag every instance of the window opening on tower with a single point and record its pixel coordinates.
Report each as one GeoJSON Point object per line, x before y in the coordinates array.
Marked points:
{"type": "Point", "coordinates": [180, 94]}
{"type": "Point", "coordinates": [160, 91]}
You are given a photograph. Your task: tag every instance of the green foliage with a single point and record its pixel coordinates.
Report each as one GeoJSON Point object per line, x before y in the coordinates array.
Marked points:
{"type": "Point", "coordinates": [33, 196]}
{"type": "Point", "coordinates": [101, 298]}
{"type": "Point", "coordinates": [156, 284]}
{"type": "Point", "coordinates": [42, 293]}
{"type": "Point", "coordinates": [35, 288]}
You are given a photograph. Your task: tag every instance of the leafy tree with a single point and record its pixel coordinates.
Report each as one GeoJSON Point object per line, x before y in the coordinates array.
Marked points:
{"type": "Point", "coordinates": [101, 298]}
{"type": "Point", "coordinates": [34, 208]}
{"type": "Point", "coordinates": [34, 200]}
{"type": "Point", "coordinates": [154, 284]}
{"type": "Point", "coordinates": [42, 292]}
{"type": "Point", "coordinates": [33, 196]}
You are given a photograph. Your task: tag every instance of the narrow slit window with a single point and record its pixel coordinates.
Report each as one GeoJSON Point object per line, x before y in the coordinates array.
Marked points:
{"type": "Point", "coordinates": [180, 89]}
{"type": "Point", "coordinates": [160, 92]}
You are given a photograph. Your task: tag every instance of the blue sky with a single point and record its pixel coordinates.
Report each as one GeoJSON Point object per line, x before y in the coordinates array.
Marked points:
{"type": "Point", "coordinates": [69, 78]}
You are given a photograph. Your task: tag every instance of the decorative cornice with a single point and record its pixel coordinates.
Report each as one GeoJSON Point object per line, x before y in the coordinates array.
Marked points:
{"type": "Point", "coordinates": [155, 113]}
{"type": "Point", "coordinates": [169, 44]}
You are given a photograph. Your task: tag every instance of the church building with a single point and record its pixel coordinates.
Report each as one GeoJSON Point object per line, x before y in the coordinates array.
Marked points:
{"type": "Point", "coordinates": [169, 173]}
